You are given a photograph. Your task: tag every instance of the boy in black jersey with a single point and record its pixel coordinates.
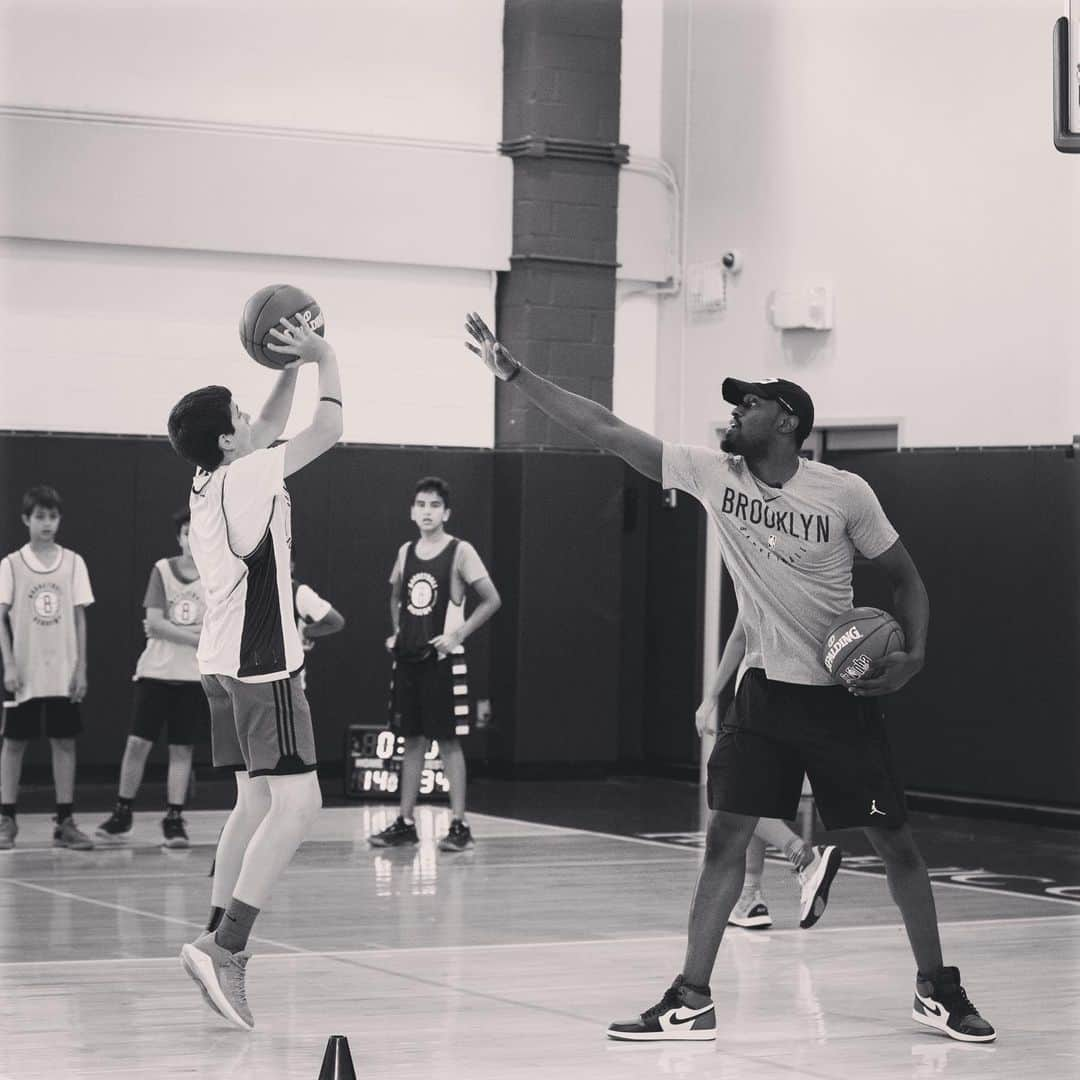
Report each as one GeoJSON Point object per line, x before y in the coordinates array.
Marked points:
{"type": "Point", "coordinates": [429, 696]}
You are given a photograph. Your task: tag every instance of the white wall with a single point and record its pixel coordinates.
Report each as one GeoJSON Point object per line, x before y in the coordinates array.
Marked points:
{"type": "Point", "coordinates": [107, 338]}
{"type": "Point", "coordinates": [648, 215]}
{"type": "Point", "coordinates": [903, 150]}
{"type": "Point", "coordinates": [164, 160]}
{"type": "Point", "coordinates": [404, 68]}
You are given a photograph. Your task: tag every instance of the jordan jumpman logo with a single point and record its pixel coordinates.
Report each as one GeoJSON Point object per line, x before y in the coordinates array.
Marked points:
{"type": "Point", "coordinates": [875, 810]}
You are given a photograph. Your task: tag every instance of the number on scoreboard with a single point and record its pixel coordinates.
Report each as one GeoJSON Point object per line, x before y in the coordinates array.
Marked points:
{"type": "Point", "coordinates": [373, 757]}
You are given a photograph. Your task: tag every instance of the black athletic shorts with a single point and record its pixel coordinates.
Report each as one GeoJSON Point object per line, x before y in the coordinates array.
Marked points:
{"type": "Point", "coordinates": [430, 697]}
{"type": "Point", "coordinates": [60, 714]}
{"type": "Point", "coordinates": [180, 707]}
{"type": "Point", "coordinates": [778, 731]}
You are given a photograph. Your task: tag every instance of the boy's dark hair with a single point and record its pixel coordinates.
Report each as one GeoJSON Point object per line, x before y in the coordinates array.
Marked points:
{"type": "Point", "coordinates": [436, 485]}
{"type": "Point", "coordinates": [48, 498]}
{"type": "Point", "coordinates": [196, 422]}
{"type": "Point", "coordinates": [181, 518]}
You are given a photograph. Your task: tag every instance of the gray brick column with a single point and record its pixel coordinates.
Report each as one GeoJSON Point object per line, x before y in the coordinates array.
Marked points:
{"type": "Point", "coordinates": [555, 308]}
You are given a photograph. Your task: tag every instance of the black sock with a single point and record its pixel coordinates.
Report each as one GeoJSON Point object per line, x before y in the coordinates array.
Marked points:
{"type": "Point", "coordinates": [174, 809]}
{"type": "Point", "coordinates": [215, 919]}
{"type": "Point", "coordinates": [63, 811]}
{"type": "Point", "coordinates": [8, 810]}
{"type": "Point", "coordinates": [124, 804]}
{"type": "Point", "coordinates": [232, 933]}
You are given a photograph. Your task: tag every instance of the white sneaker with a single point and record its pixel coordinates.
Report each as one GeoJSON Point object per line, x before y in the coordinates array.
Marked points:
{"type": "Point", "coordinates": [751, 912]}
{"type": "Point", "coordinates": [219, 974]}
{"type": "Point", "coordinates": [814, 882]}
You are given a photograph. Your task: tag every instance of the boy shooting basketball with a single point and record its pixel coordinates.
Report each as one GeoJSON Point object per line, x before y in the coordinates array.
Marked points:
{"type": "Point", "coordinates": [788, 531]}
{"type": "Point", "coordinates": [250, 653]}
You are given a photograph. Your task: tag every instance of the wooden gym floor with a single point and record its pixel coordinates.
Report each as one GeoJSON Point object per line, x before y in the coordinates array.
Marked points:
{"type": "Point", "coordinates": [506, 962]}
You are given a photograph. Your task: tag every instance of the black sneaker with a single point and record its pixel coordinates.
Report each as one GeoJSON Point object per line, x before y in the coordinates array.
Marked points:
{"type": "Point", "coordinates": [459, 838]}
{"type": "Point", "coordinates": [671, 1018]}
{"type": "Point", "coordinates": [942, 1003]}
{"type": "Point", "coordinates": [174, 832]}
{"type": "Point", "coordinates": [400, 832]}
{"type": "Point", "coordinates": [117, 827]}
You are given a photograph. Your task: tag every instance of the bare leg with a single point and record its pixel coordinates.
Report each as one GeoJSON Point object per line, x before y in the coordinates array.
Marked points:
{"type": "Point", "coordinates": [412, 765]}
{"type": "Point", "coordinates": [453, 757]}
{"type": "Point", "coordinates": [755, 863]}
{"type": "Point", "coordinates": [774, 831]}
{"type": "Point", "coordinates": [63, 767]}
{"type": "Point", "coordinates": [719, 883]}
{"type": "Point", "coordinates": [179, 774]}
{"type": "Point", "coordinates": [133, 765]}
{"type": "Point", "coordinates": [252, 805]}
{"type": "Point", "coordinates": [11, 762]}
{"type": "Point", "coordinates": [294, 804]}
{"type": "Point", "coordinates": [909, 886]}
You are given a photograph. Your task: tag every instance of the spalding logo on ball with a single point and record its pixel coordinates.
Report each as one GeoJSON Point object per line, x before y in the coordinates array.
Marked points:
{"type": "Point", "coordinates": [264, 312]}
{"type": "Point", "coordinates": [856, 640]}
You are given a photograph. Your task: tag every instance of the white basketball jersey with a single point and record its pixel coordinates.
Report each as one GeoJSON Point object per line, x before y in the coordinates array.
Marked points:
{"type": "Point", "coordinates": [241, 536]}
{"type": "Point", "coordinates": [42, 618]}
{"type": "Point", "coordinates": [184, 607]}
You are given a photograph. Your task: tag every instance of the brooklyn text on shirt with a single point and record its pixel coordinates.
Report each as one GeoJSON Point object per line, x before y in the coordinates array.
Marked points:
{"type": "Point", "coordinates": [812, 528]}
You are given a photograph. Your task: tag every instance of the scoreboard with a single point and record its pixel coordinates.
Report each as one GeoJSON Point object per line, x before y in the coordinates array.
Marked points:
{"type": "Point", "coordinates": [373, 764]}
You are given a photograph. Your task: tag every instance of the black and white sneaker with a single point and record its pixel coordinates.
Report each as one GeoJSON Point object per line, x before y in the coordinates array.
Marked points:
{"type": "Point", "coordinates": [174, 832]}
{"type": "Point", "coordinates": [116, 827]}
{"type": "Point", "coordinates": [458, 838]}
{"type": "Point", "coordinates": [942, 1003]}
{"type": "Point", "coordinates": [397, 833]}
{"type": "Point", "coordinates": [814, 884]}
{"type": "Point", "coordinates": [684, 1013]}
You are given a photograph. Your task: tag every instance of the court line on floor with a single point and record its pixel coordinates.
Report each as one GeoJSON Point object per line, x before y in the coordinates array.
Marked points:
{"type": "Point", "coordinates": [359, 842]}
{"type": "Point", "coordinates": [198, 873]}
{"type": "Point", "coordinates": [297, 951]}
{"type": "Point", "coordinates": [134, 911]}
{"type": "Point", "coordinates": [696, 853]}
{"type": "Point", "coordinates": [843, 869]}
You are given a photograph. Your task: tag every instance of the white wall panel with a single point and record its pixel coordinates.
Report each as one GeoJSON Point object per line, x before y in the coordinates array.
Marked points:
{"type": "Point", "coordinates": [106, 181]}
{"type": "Point", "coordinates": [106, 339]}
{"type": "Point", "coordinates": [414, 68]}
{"type": "Point", "coordinates": [934, 201]}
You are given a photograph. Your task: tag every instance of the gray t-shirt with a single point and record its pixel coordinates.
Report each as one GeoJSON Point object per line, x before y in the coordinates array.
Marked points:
{"type": "Point", "coordinates": [789, 550]}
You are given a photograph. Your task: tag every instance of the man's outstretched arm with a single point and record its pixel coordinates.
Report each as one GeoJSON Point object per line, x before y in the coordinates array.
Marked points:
{"type": "Point", "coordinates": [601, 426]}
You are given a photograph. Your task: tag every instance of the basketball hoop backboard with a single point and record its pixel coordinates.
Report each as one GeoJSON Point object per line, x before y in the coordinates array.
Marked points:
{"type": "Point", "coordinates": [1067, 81]}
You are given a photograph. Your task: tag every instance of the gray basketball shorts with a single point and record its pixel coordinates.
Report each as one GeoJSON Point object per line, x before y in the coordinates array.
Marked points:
{"type": "Point", "coordinates": [263, 728]}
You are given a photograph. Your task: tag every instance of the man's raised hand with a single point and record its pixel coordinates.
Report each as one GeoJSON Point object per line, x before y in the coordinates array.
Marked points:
{"type": "Point", "coordinates": [497, 357]}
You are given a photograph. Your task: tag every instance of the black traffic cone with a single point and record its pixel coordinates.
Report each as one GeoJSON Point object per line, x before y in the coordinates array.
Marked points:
{"type": "Point", "coordinates": [337, 1061]}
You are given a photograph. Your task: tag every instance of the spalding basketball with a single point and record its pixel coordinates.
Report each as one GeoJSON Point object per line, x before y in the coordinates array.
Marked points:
{"type": "Point", "coordinates": [856, 640]}
{"type": "Point", "coordinates": [264, 312]}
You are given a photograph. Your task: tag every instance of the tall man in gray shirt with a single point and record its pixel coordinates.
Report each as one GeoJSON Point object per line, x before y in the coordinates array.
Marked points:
{"type": "Point", "coordinates": [788, 530]}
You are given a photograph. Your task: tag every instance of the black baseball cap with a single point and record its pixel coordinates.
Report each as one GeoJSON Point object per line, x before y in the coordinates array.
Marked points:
{"type": "Point", "coordinates": [791, 397]}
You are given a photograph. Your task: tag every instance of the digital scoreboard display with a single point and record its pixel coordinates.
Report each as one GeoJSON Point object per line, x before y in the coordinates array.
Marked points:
{"type": "Point", "coordinates": [373, 765]}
